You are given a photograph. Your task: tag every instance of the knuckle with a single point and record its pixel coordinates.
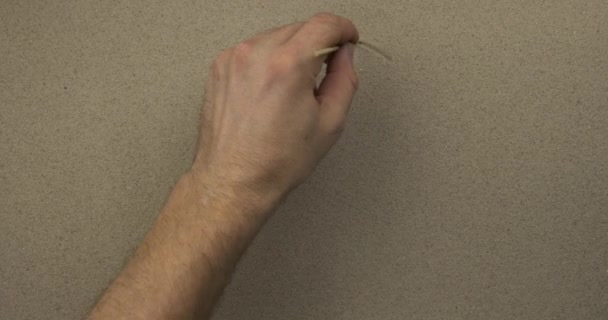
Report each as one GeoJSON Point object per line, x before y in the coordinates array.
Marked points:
{"type": "Point", "coordinates": [241, 56]}
{"type": "Point", "coordinates": [243, 50]}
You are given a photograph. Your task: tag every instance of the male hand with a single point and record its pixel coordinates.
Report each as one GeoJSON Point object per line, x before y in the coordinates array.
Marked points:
{"type": "Point", "coordinates": [265, 124]}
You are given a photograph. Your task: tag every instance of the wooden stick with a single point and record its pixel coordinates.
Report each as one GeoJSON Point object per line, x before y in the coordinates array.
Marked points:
{"type": "Point", "coordinates": [361, 43]}
{"type": "Point", "coordinates": [326, 51]}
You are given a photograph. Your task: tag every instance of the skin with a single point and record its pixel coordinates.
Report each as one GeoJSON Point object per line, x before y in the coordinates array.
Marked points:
{"type": "Point", "coordinates": [265, 125]}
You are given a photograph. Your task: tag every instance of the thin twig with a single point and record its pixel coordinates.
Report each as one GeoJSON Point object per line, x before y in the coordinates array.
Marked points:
{"type": "Point", "coordinates": [326, 51]}
{"type": "Point", "coordinates": [363, 44]}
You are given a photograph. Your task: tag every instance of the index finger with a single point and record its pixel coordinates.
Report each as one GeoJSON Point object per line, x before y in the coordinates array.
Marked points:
{"type": "Point", "coordinates": [325, 30]}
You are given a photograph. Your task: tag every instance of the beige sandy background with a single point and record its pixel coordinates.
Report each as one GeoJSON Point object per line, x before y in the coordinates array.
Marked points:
{"type": "Point", "coordinates": [471, 182]}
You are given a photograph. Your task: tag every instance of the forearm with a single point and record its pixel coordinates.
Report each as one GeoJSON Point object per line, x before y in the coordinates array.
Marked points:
{"type": "Point", "coordinates": [183, 264]}
{"type": "Point", "coordinates": [265, 125]}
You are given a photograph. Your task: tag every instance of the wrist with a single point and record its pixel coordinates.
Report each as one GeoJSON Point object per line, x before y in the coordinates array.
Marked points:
{"type": "Point", "coordinates": [240, 199]}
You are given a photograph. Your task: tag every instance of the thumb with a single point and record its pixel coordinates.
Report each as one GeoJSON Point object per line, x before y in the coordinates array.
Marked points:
{"type": "Point", "coordinates": [337, 89]}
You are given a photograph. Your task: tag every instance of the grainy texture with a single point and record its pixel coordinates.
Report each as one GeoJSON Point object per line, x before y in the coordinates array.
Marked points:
{"type": "Point", "coordinates": [471, 183]}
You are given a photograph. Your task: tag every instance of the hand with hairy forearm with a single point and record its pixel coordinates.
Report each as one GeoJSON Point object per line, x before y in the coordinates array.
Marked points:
{"type": "Point", "coordinates": [264, 127]}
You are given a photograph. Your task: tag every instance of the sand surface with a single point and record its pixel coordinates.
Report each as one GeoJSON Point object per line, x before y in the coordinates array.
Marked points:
{"type": "Point", "coordinates": [471, 182]}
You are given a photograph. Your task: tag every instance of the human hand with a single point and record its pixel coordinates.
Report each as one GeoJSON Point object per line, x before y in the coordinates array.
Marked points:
{"type": "Point", "coordinates": [265, 124]}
